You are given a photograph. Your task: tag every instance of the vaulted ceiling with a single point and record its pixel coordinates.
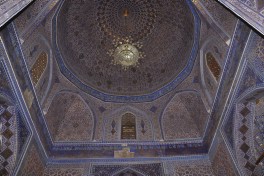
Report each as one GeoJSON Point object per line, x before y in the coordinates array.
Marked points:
{"type": "Point", "coordinates": [78, 107]}
{"type": "Point", "coordinates": [86, 31]}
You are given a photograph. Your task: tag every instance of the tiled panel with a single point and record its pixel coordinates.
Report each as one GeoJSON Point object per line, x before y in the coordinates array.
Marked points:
{"type": "Point", "coordinates": [8, 150]}
{"type": "Point", "coordinates": [247, 9]}
{"type": "Point", "coordinates": [8, 8]}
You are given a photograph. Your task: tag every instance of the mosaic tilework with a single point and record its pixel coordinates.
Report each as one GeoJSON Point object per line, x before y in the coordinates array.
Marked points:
{"type": "Point", "coordinates": [153, 169]}
{"type": "Point", "coordinates": [221, 16]}
{"type": "Point", "coordinates": [23, 133]}
{"type": "Point", "coordinates": [229, 128]}
{"type": "Point", "coordinates": [4, 85]}
{"type": "Point", "coordinates": [244, 146]}
{"type": "Point", "coordinates": [15, 130]}
{"type": "Point", "coordinates": [33, 47]}
{"type": "Point", "coordinates": [249, 80]}
{"type": "Point", "coordinates": [188, 168]}
{"type": "Point", "coordinates": [106, 108]}
{"type": "Point", "coordinates": [240, 128]}
{"type": "Point", "coordinates": [69, 118]}
{"type": "Point", "coordinates": [8, 151]}
{"type": "Point", "coordinates": [2, 2]}
{"type": "Point", "coordinates": [256, 57]}
{"type": "Point", "coordinates": [229, 71]}
{"type": "Point", "coordinates": [29, 14]}
{"type": "Point", "coordinates": [53, 171]}
{"type": "Point", "coordinates": [250, 3]}
{"type": "Point", "coordinates": [259, 128]}
{"type": "Point", "coordinates": [215, 45]}
{"type": "Point", "coordinates": [250, 10]}
{"type": "Point", "coordinates": [32, 164]}
{"type": "Point", "coordinates": [259, 171]}
{"type": "Point", "coordinates": [222, 163]}
{"type": "Point", "coordinates": [184, 116]}
{"type": "Point", "coordinates": [8, 8]}
{"type": "Point", "coordinates": [108, 97]}
{"type": "Point", "coordinates": [258, 131]}
{"type": "Point", "coordinates": [149, 23]}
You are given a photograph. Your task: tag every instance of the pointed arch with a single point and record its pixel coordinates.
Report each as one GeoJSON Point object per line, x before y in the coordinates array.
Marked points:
{"type": "Point", "coordinates": [185, 116]}
{"type": "Point", "coordinates": [69, 118]}
{"type": "Point", "coordinates": [112, 126]}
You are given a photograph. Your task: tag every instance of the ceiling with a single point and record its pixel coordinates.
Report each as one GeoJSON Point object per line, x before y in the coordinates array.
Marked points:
{"type": "Point", "coordinates": [167, 36]}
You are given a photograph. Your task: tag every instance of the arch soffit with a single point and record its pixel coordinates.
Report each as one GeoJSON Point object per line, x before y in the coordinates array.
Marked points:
{"type": "Point", "coordinates": [77, 95]}
{"type": "Point", "coordinates": [168, 104]}
{"type": "Point", "coordinates": [177, 94]}
{"type": "Point", "coordinates": [203, 53]}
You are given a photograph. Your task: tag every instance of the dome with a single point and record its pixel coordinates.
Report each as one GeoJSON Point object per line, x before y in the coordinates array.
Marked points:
{"type": "Point", "coordinates": [161, 32]}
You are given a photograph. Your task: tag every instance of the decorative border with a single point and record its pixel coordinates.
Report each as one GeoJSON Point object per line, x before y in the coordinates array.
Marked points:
{"type": "Point", "coordinates": [254, 18]}
{"type": "Point", "coordinates": [235, 99]}
{"type": "Point", "coordinates": [53, 161]}
{"type": "Point", "coordinates": [16, 98]}
{"type": "Point", "coordinates": [137, 98]}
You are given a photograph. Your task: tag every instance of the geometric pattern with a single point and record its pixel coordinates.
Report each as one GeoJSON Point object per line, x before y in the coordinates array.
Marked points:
{"type": "Point", "coordinates": [184, 116]}
{"type": "Point", "coordinates": [32, 164]}
{"type": "Point", "coordinates": [189, 168]}
{"type": "Point", "coordinates": [243, 136]}
{"type": "Point", "coordinates": [25, 19]}
{"type": "Point", "coordinates": [64, 138]}
{"type": "Point", "coordinates": [222, 162]}
{"type": "Point", "coordinates": [8, 150]}
{"type": "Point", "coordinates": [14, 132]}
{"type": "Point", "coordinates": [258, 135]}
{"type": "Point", "coordinates": [221, 16]}
{"type": "Point", "coordinates": [85, 51]}
{"type": "Point", "coordinates": [100, 89]}
{"type": "Point", "coordinates": [69, 118]}
{"type": "Point", "coordinates": [259, 132]}
{"type": "Point", "coordinates": [9, 8]}
{"type": "Point", "coordinates": [188, 145]}
{"type": "Point", "coordinates": [243, 129]}
{"type": "Point", "coordinates": [63, 171]}
{"type": "Point", "coordinates": [153, 169]}
{"type": "Point", "coordinates": [250, 10]}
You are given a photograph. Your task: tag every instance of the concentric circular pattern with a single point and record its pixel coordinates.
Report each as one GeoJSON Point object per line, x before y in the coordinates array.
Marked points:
{"type": "Point", "coordinates": [138, 22]}
{"type": "Point", "coordinates": [86, 30]}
